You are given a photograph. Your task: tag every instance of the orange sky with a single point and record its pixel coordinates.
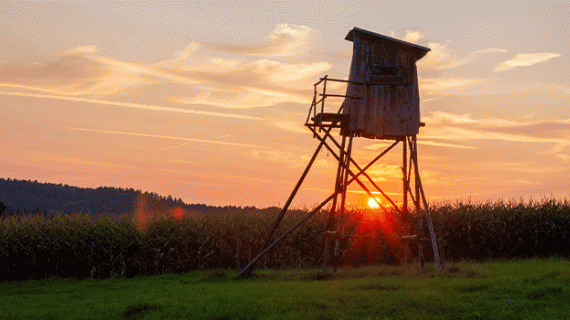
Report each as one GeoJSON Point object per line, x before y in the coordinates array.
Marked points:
{"type": "Point", "coordinates": [206, 101]}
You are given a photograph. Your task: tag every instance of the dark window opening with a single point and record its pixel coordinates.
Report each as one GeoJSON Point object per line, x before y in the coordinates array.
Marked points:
{"type": "Point", "coordinates": [385, 71]}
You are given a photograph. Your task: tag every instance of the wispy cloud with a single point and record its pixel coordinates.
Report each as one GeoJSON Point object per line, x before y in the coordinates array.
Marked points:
{"type": "Point", "coordinates": [520, 166]}
{"type": "Point", "coordinates": [182, 55]}
{"type": "Point", "coordinates": [490, 50]}
{"type": "Point", "coordinates": [220, 82]}
{"type": "Point", "coordinates": [169, 137]}
{"type": "Point", "coordinates": [231, 83]}
{"type": "Point", "coordinates": [438, 117]}
{"type": "Point", "coordinates": [83, 50]}
{"type": "Point", "coordinates": [239, 85]}
{"type": "Point", "coordinates": [261, 83]}
{"type": "Point", "coordinates": [71, 72]}
{"type": "Point", "coordinates": [452, 127]}
{"type": "Point", "coordinates": [382, 172]}
{"type": "Point", "coordinates": [79, 72]}
{"type": "Point", "coordinates": [259, 179]}
{"type": "Point", "coordinates": [289, 158]}
{"type": "Point", "coordinates": [445, 145]}
{"type": "Point", "coordinates": [525, 60]}
{"type": "Point", "coordinates": [538, 129]}
{"type": "Point", "coordinates": [279, 72]}
{"type": "Point", "coordinates": [439, 58]}
{"type": "Point", "coordinates": [446, 85]}
{"type": "Point", "coordinates": [563, 157]}
{"type": "Point", "coordinates": [442, 57]}
{"type": "Point", "coordinates": [412, 36]}
{"type": "Point", "coordinates": [373, 192]}
{"type": "Point", "coordinates": [130, 105]}
{"type": "Point", "coordinates": [377, 146]}
{"type": "Point", "coordinates": [286, 40]}
{"type": "Point", "coordinates": [78, 160]}
{"type": "Point", "coordinates": [290, 126]}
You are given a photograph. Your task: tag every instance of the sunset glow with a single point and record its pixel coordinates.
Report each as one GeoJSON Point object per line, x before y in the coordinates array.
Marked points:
{"type": "Point", "coordinates": [373, 204]}
{"type": "Point", "coordinates": [206, 100]}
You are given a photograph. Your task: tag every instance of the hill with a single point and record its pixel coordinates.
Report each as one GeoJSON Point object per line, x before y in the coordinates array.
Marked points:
{"type": "Point", "coordinates": [21, 196]}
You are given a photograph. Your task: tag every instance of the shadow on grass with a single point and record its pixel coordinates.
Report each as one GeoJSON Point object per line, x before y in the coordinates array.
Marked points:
{"type": "Point", "coordinates": [545, 293]}
{"type": "Point", "coordinates": [140, 310]}
{"type": "Point", "coordinates": [214, 275]}
{"type": "Point", "coordinates": [473, 288]}
{"type": "Point", "coordinates": [317, 275]}
{"type": "Point", "coordinates": [379, 287]}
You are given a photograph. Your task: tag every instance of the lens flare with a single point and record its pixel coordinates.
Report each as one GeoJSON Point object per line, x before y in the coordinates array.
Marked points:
{"type": "Point", "coordinates": [177, 213]}
{"type": "Point", "coordinates": [142, 215]}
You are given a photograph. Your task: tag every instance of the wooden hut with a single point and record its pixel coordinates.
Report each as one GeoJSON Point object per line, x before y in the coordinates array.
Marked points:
{"type": "Point", "coordinates": [383, 72]}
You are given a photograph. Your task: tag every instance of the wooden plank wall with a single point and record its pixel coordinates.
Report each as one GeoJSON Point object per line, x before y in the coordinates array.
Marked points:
{"type": "Point", "coordinates": [390, 104]}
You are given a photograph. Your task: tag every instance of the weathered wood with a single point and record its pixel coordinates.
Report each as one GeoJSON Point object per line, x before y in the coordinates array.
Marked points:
{"type": "Point", "coordinates": [426, 208]}
{"type": "Point", "coordinates": [293, 193]}
{"type": "Point", "coordinates": [328, 117]}
{"type": "Point", "coordinates": [387, 68]}
{"type": "Point", "coordinates": [339, 96]}
{"type": "Point", "coordinates": [245, 271]}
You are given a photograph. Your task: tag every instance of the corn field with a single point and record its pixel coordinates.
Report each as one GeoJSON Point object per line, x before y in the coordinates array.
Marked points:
{"type": "Point", "coordinates": [178, 241]}
{"type": "Point", "coordinates": [503, 229]}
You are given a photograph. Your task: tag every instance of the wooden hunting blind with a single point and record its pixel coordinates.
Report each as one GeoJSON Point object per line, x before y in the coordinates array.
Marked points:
{"type": "Point", "coordinates": [381, 102]}
{"type": "Point", "coordinates": [383, 72]}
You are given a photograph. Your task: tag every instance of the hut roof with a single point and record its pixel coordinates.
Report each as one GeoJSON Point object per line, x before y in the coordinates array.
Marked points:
{"type": "Point", "coordinates": [421, 51]}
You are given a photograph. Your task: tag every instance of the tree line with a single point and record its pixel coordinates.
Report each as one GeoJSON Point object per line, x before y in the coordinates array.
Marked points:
{"type": "Point", "coordinates": [24, 197]}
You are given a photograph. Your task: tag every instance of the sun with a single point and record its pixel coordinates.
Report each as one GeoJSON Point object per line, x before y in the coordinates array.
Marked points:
{"type": "Point", "coordinates": [372, 204]}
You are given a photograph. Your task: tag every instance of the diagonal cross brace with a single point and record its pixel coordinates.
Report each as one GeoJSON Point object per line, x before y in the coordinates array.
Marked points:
{"type": "Point", "coordinates": [288, 203]}
{"type": "Point", "coordinates": [245, 271]}
{"type": "Point", "coordinates": [361, 171]}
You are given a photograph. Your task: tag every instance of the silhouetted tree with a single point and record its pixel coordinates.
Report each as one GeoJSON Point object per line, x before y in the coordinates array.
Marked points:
{"type": "Point", "coordinates": [51, 197]}
{"type": "Point", "coordinates": [3, 209]}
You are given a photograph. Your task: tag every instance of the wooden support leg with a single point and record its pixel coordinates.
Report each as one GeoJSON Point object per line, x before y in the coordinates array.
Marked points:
{"type": "Point", "coordinates": [428, 215]}
{"type": "Point", "coordinates": [407, 252]}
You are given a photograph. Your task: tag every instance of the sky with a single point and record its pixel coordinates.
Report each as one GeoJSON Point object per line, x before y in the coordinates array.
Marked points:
{"type": "Point", "coordinates": [206, 100]}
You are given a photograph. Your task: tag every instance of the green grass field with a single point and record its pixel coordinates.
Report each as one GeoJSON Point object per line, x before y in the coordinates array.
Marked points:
{"type": "Point", "coordinates": [514, 289]}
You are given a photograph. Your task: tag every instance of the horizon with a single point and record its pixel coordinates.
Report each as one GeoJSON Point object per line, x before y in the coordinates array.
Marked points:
{"type": "Point", "coordinates": [205, 100]}
{"type": "Point", "coordinates": [370, 207]}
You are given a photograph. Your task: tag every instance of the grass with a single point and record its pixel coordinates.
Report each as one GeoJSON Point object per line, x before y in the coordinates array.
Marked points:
{"type": "Point", "coordinates": [513, 289]}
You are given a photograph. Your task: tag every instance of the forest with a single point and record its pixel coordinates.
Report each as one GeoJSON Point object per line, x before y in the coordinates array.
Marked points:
{"type": "Point", "coordinates": [22, 197]}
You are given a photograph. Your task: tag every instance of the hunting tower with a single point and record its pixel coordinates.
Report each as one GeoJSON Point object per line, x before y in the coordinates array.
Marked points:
{"type": "Point", "coordinates": [381, 102]}
{"type": "Point", "coordinates": [383, 72]}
